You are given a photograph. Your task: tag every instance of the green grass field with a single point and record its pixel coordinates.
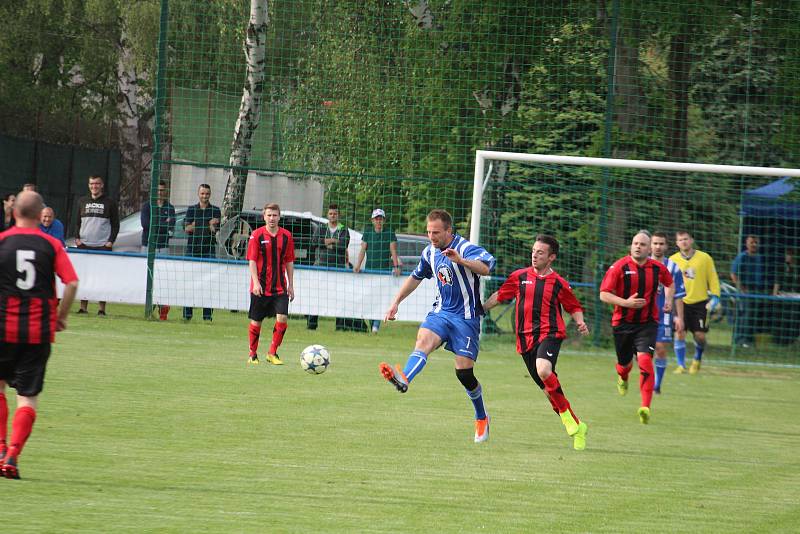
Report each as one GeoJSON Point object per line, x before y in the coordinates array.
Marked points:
{"type": "Point", "coordinates": [149, 426]}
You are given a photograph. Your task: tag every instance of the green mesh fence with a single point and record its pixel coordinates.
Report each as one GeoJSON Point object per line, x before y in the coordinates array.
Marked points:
{"type": "Point", "coordinates": [382, 105]}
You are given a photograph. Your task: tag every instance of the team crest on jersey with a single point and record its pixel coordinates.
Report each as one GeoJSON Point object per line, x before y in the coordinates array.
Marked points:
{"type": "Point", "coordinates": [445, 275]}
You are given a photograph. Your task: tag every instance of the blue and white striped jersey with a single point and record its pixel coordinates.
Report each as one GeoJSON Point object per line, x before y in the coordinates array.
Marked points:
{"type": "Point", "coordinates": [680, 290]}
{"type": "Point", "coordinates": [457, 288]}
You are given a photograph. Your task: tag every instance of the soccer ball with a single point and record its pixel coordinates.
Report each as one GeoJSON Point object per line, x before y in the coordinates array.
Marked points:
{"type": "Point", "coordinates": [315, 359]}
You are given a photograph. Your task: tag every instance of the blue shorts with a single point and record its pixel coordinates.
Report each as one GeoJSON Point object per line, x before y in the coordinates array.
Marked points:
{"type": "Point", "coordinates": [664, 333]}
{"type": "Point", "coordinates": [459, 335]}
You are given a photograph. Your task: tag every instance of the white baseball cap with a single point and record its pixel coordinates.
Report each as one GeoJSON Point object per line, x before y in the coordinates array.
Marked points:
{"type": "Point", "coordinates": [377, 212]}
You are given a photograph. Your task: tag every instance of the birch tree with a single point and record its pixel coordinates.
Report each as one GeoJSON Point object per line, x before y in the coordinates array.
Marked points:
{"type": "Point", "coordinates": [249, 110]}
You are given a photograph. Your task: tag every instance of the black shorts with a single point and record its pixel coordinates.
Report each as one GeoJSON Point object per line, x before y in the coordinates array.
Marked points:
{"type": "Point", "coordinates": [630, 339]}
{"type": "Point", "coordinates": [696, 316]}
{"type": "Point", "coordinates": [268, 306]}
{"type": "Point", "coordinates": [22, 365]}
{"type": "Point", "coordinates": [546, 349]}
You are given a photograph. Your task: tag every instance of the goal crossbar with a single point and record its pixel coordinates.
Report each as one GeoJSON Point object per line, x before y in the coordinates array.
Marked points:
{"type": "Point", "coordinates": [481, 156]}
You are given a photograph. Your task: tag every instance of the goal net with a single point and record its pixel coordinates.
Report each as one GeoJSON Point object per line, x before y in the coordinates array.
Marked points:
{"type": "Point", "coordinates": [595, 205]}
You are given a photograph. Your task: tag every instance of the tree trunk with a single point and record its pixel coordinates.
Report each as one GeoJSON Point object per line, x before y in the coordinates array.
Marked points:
{"type": "Point", "coordinates": [249, 110]}
{"type": "Point", "coordinates": [132, 180]}
{"type": "Point", "coordinates": [679, 64]}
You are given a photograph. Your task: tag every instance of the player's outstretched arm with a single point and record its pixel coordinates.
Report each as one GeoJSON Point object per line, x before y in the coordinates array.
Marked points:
{"type": "Point", "coordinates": [476, 266]}
{"type": "Point", "coordinates": [405, 290]}
{"type": "Point", "coordinates": [491, 302]}
{"type": "Point", "coordinates": [634, 301]}
{"type": "Point", "coordinates": [580, 323]}
{"type": "Point", "coordinates": [66, 303]}
{"type": "Point", "coordinates": [669, 298]}
{"type": "Point", "coordinates": [257, 290]}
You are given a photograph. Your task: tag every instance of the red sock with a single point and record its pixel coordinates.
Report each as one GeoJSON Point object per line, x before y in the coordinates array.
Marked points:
{"type": "Point", "coordinates": [557, 398]}
{"type": "Point", "coordinates": [20, 429]}
{"type": "Point", "coordinates": [277, 337]}
{"type": "Point", "coordinates": [255, 332]}
{"type": "Point", "coordinates": [163, 311]}
{"type": "Point", "coordinates": [646, 377]}
{"type": "Point", "coordinates": [624, 371]}
{"type": "Point", "coordinates": [3, 421]}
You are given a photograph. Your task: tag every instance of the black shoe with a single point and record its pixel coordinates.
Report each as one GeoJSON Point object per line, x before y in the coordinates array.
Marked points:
{"type": "Point", "coordinates": [101, 313]}
{"type": "Point", "coordinates": [82, 311]}
{"type": "Point", "coordinates": [657, 391]}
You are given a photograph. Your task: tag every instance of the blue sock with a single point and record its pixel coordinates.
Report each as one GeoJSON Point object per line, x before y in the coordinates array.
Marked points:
{"type": "Point", "coordinates": [680, 352]}
{"type": "Point", "coordinates": [661, 366]}
{"type": "Point", "coordinates": [476, 396]}
{"type": "Point", "coordinates": [415, 363]}
{"type": "Point", "coordinates": [698, 351]}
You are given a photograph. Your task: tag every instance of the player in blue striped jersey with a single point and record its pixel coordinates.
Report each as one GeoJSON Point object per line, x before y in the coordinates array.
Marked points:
{"type": "Point", "coordinates": [666, 321]}
{"type": "Point", "coordinates": [454, 320]}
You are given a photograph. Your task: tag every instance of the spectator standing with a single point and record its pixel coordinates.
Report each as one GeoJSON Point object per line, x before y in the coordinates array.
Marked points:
{"type": "Point", "coordinates": [748, 274]}
{"type": "Point", "coordinates": [270, 257]}
{"type": "Point", "coordinates": [631, 285]}
{"type": "Point", "coordinates": [98, 225]}
{"type": "Point", "coordinates": [379, 245]}
{"type": "Point", "coordinates": [29, 311]}
{"type": "Point", "coordinates": [788, 280]}
{"type": "Point", "coordinates": [540, 293]}
{"type": "Point", "coordinates": [52, 226]}
{"type": "Point", "coordinates": [455, 319]}
{"type": "Point", "coordinates": [163, 219]}
{"type": "Point", "coordinates": [201, 224]}
{"type": "Point", "coordinates": [332, 241]}
{"type": "Point", "coordinates": [701, 282]}
{"type": "Point", "coordinates": [8, 211]}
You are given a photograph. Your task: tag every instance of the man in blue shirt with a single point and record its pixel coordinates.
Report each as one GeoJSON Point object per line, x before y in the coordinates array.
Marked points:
{"type": "Point", "coordinates": [748, 273]}
{"type": "Point", "coordinates": [454, 320]}
{"type": "Point", "coordinates": [667, 321]}
{"type": "Point", "coordinates": [201, 224]}
{"type": "Point", "coordinates": [52, 226]}
{"type": "Point", "coordinates": [163, 218]}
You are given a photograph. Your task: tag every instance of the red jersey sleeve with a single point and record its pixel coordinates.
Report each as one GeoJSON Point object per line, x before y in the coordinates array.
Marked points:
{"type": "Point", "coordinates": [509, 289]}
{"type": "Point", "coordinates": [664, 276]}
{"type": "Point", "coordinates": [568, 299]}
{"type": "Point", "coordinates": [611, 279]}
{"type": "Point", "coordinates": [252, 246]}
{"type": "Point", "coordinates": [63, 266]}
{"type": "Point", "coordinates": [288, 254]}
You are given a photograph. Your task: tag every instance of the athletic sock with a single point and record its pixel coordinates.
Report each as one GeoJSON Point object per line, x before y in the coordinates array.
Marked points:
{"type": "Point", "coordinates": [254, 332]}
{"type": "Point", "coordinates": [3, 421]}
{"type": "Point", "coordinates": [698, 351]}
{"type": "Point", "coordinates": [646, 377]}
{"type": "Point", "coordinates": [661, 367]}
{"type": "Point", "coordinates": [277, 337]}
{"type": "Point", "coordinates": [476, 396]}
{"type": "Point", "coordinates": [553, 389]}
{"type": "Point", "coordinates": [623, 372]}
{"type": "Point", "coordinates": [415, 363]}
{"type": "Point", "coordinates": [21, 429]}
{"type": "Point", "coordinates": [680, 352]}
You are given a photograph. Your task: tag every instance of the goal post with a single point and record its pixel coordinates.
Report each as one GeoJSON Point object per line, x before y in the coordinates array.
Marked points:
{"type": "Point", "coordinates": [594, 206]}
{"type": "Point", "coordinates": [482, 156]}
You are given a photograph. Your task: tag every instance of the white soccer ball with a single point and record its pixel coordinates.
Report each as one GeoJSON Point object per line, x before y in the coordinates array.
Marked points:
{"type": "Point", "coordinates": [315, 359]}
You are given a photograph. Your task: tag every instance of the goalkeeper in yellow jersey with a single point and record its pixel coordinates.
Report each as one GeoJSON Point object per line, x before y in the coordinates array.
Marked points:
{"type": "Point", "coordinates": [702, 294]}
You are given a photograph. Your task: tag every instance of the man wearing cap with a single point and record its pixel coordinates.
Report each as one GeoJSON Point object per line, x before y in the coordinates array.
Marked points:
{"type": "Point", "coordinates": [381, 242]}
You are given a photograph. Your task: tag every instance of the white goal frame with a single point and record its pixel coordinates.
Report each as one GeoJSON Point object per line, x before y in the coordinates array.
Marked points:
{"type": "Point", "coordinates": [482, 175]}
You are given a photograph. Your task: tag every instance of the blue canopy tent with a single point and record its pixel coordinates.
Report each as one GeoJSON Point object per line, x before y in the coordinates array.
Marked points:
{"type": "Point", "coordinates": [766, 213]}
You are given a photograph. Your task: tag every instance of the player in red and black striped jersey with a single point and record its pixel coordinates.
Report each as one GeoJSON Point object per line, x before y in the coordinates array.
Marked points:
{"type": "Point", "coordinates": [540, 294]}
{"type": "Point", "coordinates": [29, 318]}
{"type": "Point", "coordinates": [631, 285]}
{"type": "Point", "coordinates": [270, 253]}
